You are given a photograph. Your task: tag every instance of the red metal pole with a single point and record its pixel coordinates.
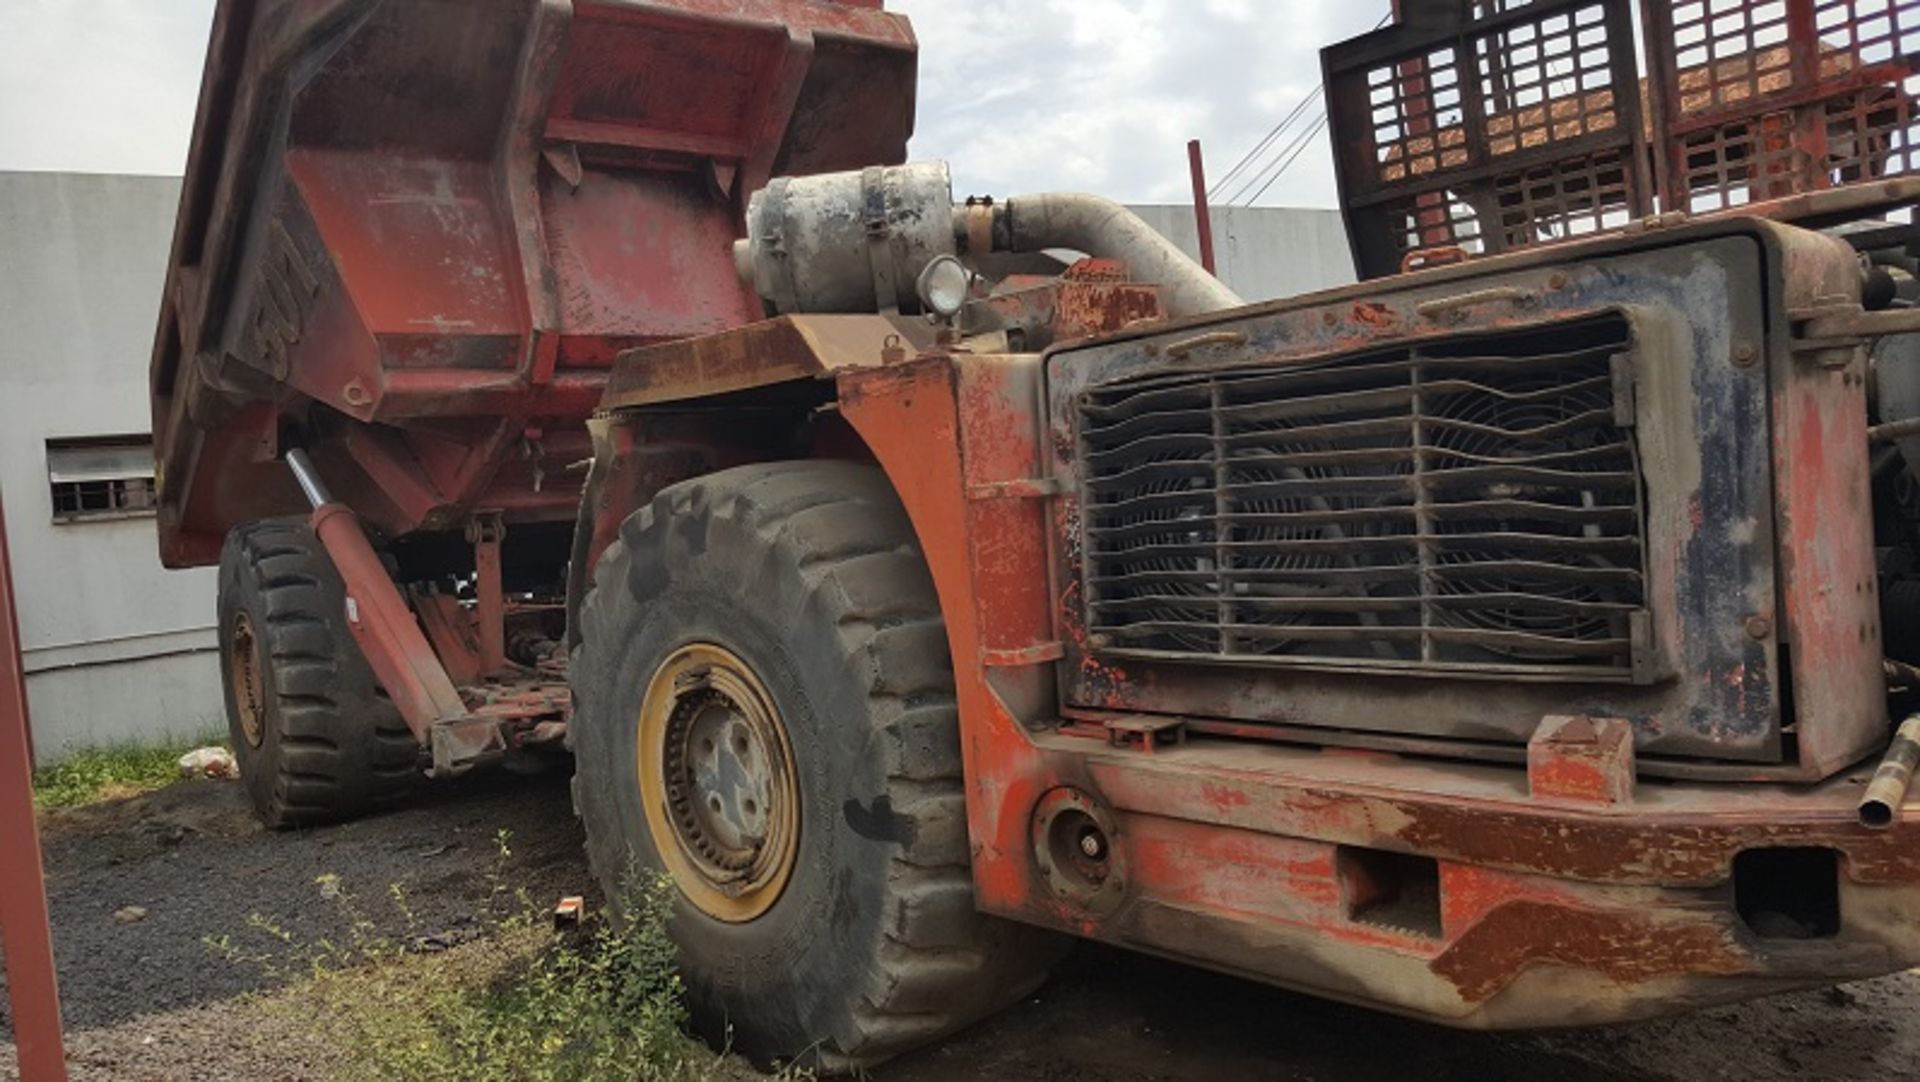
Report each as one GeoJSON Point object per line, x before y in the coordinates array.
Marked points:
{"type": "Point", "coordinates": [25, 932]}
{"type": "Point", "coordinates": [1202, 213]}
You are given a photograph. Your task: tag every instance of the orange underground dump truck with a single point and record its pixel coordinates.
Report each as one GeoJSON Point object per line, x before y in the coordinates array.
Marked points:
{"type": "Point", "coordinates": [1516, 638]}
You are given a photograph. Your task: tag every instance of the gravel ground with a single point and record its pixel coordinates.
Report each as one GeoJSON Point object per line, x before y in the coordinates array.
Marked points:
{"type": "Point", "coordinates": [1116, 1017]}
{"type": "Point", "coordinates": [152, 1000]}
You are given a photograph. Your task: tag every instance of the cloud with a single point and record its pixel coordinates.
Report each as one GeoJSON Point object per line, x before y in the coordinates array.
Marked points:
{"type": "Point", "coordinates": [1021, 95]}
{"type": "Point", "coordinates": [1102, 95]}
{"type": "Point", "coordinates": [100, 86]}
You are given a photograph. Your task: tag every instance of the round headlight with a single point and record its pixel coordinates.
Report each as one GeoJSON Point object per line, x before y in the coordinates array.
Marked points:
{"type": "Point", "coordinates": [944, 286]}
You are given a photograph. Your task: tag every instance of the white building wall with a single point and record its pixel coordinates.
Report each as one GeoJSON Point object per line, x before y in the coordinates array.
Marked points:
{"type": "Point", "coordinates": [117, 649]}
{"type": "Point", "coordinates": [1265, 253]}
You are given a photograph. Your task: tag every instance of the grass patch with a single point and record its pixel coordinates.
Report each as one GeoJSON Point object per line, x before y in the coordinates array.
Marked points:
{"type": "Point", "coordinates": [96, 774]}
{"type": "Point", "coordinates": [522, 1002]}
{"type": "Point", "coordinates": [521, 1005]}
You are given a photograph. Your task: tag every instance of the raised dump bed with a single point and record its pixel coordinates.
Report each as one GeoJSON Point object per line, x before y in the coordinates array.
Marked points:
{"type": "Point", "coordinates": [415, 235]}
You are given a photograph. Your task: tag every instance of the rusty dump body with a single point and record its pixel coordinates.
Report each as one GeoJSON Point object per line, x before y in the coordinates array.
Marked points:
{"type": "Point", "coordinates": [1500, 644]}
{"type": "Point", "coordinates": [429, 227]}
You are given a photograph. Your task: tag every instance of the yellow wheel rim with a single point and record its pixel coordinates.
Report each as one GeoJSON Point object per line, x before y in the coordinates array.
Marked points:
{"type": "Point", "coordinates": [249, 685]}
{"type": "Point", "coordinates": [717, 782]}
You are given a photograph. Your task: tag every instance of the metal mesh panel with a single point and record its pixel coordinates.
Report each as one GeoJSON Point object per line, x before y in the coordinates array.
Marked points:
{"type": "Point", "coordinates": [1470, 502]}
{"type": "Point", "coordinates": [1857, 34]}
{"type": "Point", "coordinates": [1870, 134]}
{"type": "Point", "coordinates": [1547, 81]}
{"type": "Point", "coordinates": [1450, 125]}
{"type": "Point", "coordinates": [1560, 200]}
{"type": "Point", "coordinates": [1438, 220]}
{"type": "Point", "coordinates": [1758, 100]}
{"type": "Point", "coordinates": [1725, 165]}
{"type": "Point", "coordinates": [1490, 125]}
{"type": "Point", "coordinates": [1728, 53]}
{"type": "Point", "coordinates": [1417, 129]}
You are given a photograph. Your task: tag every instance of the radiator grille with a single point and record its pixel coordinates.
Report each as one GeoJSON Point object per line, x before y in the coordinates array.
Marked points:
{"type": "Point", "coordinates": [1470, 503]}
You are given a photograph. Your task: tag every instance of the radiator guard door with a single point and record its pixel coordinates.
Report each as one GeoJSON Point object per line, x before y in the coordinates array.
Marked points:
{"type": "Point", "coordinates": [1693, 658]}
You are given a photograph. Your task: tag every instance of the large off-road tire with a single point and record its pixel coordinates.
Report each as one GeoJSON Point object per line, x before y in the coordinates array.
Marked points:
{"type": "Point", "coordinates": [316, 739]}
{"type": "Point", "coordinates": [765, 715]}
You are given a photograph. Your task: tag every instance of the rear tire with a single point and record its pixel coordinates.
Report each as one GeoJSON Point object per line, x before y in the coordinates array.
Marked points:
{"type": "Point", "coordinates": [793, 592]}
{"type": "Point", "coordinates": [316, 739]}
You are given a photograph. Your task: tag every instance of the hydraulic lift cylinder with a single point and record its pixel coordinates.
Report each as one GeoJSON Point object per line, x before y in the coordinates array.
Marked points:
{"type": "Point", "coordinates": [377, 615]}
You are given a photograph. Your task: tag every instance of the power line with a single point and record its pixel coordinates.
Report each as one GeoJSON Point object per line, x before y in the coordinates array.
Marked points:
{"type": "Point", "coordinates": [1287, 155]}
{"type": "Point", "coordinates": [1273, 134]}
{"type": "Point", "coordinates": [1317, 129]}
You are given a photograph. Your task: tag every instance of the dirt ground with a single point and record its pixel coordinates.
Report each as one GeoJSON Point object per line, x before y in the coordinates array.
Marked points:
{"type": "Point", "coordinates": [156, 999]}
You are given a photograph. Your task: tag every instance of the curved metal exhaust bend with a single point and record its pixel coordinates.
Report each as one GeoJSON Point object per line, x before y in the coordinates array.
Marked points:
{"type": "Point", "coordinates": [1105, 229]}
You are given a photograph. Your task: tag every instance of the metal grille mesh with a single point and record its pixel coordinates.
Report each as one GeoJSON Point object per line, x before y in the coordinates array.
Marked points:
{"type": "Point", "coordinates": [1570, 198]}
{"type": "Point", "coordinates": [1476, 502]}
{"type": "Point", "coordinates": [1494, 125]}
{"type": "Point", "coordinates": [1764, 99]}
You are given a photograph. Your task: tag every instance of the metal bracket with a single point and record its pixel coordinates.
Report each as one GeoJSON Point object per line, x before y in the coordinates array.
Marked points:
{"type": "Point", "coordinates": [1834, 335]}
{"type": "Point", "coordinates": [464, 743]}
{"type": "Point", "coordinates": [486, 528]}
{"type": "Point", "coordinates": [1649, 663]}
{"type": "Point", "coordinates": [1146, 732]}
{"type": "Point", "coordinates": [1581, 760]}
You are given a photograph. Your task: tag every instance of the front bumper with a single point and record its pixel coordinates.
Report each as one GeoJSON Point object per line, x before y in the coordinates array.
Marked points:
{"type": "Point", "coordinates": [1308, 869]}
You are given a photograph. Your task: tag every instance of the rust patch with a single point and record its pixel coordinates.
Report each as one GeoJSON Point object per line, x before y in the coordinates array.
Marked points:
{"type": "Point", "coordinates": [1626, 947]}
{"type": "Point", "coordinates": [1375, 315]}
{"type": "Point", "coordinates": [1654, 851]}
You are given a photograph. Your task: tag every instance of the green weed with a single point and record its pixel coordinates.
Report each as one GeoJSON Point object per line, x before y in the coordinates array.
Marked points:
{"type": "Point", "coordinates": [109, 773]}
{"type": "Point", "coordinates": [523, 1002]}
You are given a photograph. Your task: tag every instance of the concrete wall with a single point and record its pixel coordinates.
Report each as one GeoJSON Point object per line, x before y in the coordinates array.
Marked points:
{"type": "Point", "coordinates": [1265, 253]}
{"type": "Point", "coordinates": [117, 649]}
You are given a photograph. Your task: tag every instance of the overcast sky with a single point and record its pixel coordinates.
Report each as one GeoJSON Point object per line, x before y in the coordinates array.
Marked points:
{"type": "Point", "coordinates": [1021, 95]}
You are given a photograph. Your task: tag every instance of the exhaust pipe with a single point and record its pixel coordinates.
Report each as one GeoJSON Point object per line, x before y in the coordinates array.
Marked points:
{"type": "Point", "coordinates": [1101, 227]}
{"type": "Point", "coordinates": [1880, 808]}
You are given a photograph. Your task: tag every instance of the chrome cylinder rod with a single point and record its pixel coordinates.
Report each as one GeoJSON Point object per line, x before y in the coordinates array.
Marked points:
{"type": "Point", "coordinates": [309, 478]}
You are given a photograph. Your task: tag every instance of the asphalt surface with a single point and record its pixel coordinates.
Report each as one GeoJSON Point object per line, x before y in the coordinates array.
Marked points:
{"type": "Point", "coordinates": [165, 996]}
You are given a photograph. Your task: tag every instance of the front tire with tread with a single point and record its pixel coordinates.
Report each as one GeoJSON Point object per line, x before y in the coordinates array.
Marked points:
{"type": "Point", "coordinates": [811, 574]}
